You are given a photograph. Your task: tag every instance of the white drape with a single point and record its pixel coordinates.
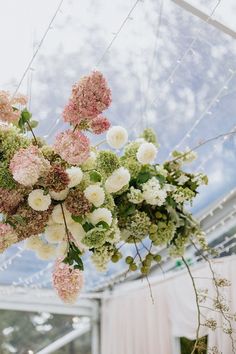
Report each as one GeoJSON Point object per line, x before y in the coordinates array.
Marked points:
{"type": "Point", "coordinates": [132, 324]}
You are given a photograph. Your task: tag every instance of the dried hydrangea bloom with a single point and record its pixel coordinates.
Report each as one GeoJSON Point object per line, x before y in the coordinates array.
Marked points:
{"type": "Point", "coordinates": [27, 165]}
{"type": "Point", "coordinates": [72, 146]}
{"type": "Point", "coordinates": [90, 97]}
{"type": "Point", "coordinates": [9, 200]}
{"type": "Point", "coordinates": [29, 222]}
{"type": "Point", "coordinates": [77, 203]}
{"type": "Point", "coordinates": [100, 124]}
{"type": "Point", "coordinates": [57, 179]}
{"type": "Point", "coordinates": [7, 112]}
{"type": "Point", "coordinates": [7, 236]}
{"type": "Point", "coordinates": [67, 281]}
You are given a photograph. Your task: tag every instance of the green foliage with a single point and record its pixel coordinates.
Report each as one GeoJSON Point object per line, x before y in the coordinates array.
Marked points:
{"type": "Point", "coordinates": [73, 257]}
{"type": "Point", "coordinates": [95, 176]}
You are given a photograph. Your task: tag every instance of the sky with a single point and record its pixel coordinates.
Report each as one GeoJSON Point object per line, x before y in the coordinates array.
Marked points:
{"type": "Point", "coordinates": [167, 69]}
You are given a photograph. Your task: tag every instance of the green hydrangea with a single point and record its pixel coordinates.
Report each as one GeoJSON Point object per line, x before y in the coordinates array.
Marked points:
{"type": "Point", "coordinates": [107, 162]}
{"type": "Point", "coordinates": [136, 226]}
{"type": "Point", "coordinates": [109, 202]}
{"type": "Point", "coordinates": [10, 142]}
{"type": "Point", "coordinates": [102, 256]}
{"type": "Point", "coordinates": [150, 136]}
{"type": "Point", "coordinates": [135, 196]}
{"type": "Point", "coordinates": [183, 194]}
{"type": "Point", "coordinates": [177, 248]}
{"type": "Point", "coordinates": [131, 150]}
{"type": "Point", "coordinates": [95, 238]}
{"type": "Point", "coordinates": [164, 233]}
{"type": "Point", "coordinates": [6, 178]}
{"type": "Point", "coordinates": [132, 165]}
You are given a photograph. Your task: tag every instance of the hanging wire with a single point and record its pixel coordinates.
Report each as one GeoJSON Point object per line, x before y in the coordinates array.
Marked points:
{"type": "Point", "coordinates": [38, 48]}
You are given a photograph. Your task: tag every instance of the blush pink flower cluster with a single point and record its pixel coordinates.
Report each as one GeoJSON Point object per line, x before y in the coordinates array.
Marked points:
{"type": "Point", "coordinates": [27, 165]}
{"type": "Point", "coordinates": [67, 281]}
{"type": "Point", "coordinates": [100, 124]}
{"type": "Point", "coordinates": [90, 97]}
{"type": "Point", "coordinates": [72, 146]}
{"type": "Point", "coordinates": [7, 236]}
{"type": "Point", "coordinates": [7, 104]}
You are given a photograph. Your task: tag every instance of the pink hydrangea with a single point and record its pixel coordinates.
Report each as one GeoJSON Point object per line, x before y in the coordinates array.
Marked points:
{"type": "Point", "coordinates": [7, 112]}
{"type": "Point", "coordinates": [67, 281]}
{"type": "Point", "coordinates": [7, 236]}
{"type": "Point", "coordinates": [100, 124]}
{"type": "Point", "coordinates": [27, 165]}
{"type": "Point", "coordinates": [90, 97]}
{"type": "Point", "coordinates": [72, 146]}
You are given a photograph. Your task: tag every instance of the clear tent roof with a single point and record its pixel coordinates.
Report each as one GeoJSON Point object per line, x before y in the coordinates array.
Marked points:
{"type": "Point", "coordinates": [167, 68]}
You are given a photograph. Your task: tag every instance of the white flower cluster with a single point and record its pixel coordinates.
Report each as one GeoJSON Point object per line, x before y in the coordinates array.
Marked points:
{"type": "Point", "coordinates": [38, 200]}
{"type": "Point", "coordinates": [153, 193]}
{"type": "Point", "coordinates": [146, 153]}
{"type": "Point", "coordinates": [118, 179]}
{"type": "Point", "coordinates": [100, 214]}
{"type": "Point", "coordinates": [117, 137]}
{"type": "Point", "coordinates": [95, 194]}
{"type": "Point", "coordinates": [135, 196]}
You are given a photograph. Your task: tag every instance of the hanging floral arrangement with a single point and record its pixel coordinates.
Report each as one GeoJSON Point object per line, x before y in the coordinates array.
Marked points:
{"type": "Point", "coordinates": [72, 197]}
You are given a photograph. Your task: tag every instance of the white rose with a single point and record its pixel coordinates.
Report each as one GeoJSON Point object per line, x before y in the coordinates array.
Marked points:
{"type": "Point", "coordinates": [46, 252]}
{"type": "Point", "coordinates": [57, 215]}
{"type": "Point", "coordinates": [33, 243]}
{"type": "Point", "coordinates": [146, 153]}
{"type": "Point", "coordinates": [59, 195]}
{"type": "Point", "coordinates": [117, 180]}
{"type": "Point", "coordinates": [100, 214]}
{"type": "Point", "coordinates": [117, 137]}
{"type": "Point", "coordinates": [39, 201]}
{"type": "Point", "coordinates": [75, 174]}
{"type": "Point", "coordinates": [95, 194]}
{"type": "Point", "coordinates": [61, 249]}
{"type": "Point", "coordinates": [78, 233]}
{"type": "Point", "coordinates": [55, 233]}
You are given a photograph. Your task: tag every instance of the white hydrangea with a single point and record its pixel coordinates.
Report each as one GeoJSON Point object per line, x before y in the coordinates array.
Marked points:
{"type": "Point", "coordinates": [152, 192]}
{"type": "Point", "coordinates": [55, 233]}
{"type": "Point", "coordinates": [182, 179]}
{"type": "Point", "coordinates": [95, 194]}
{"type": "Point", "coordinates": [78, 233]}
{"type": "Point", "coordinates": [89, 164]}
{"type": "Point", "coordinates": [135, 196]}
{"type": "Point", "coordinates": [117, 180]}
{"type": "Point", "coordinates": [161, 170]}
{"type": "Point", "coordinates": [33, 243]}
{"type": "Point", "coordinates": [76, 175]}
{"type": "Point", "coordinates": [59, 195]}
{"type": "Point", "coordinates": [57, 215]}
{"type": "Point", "coordinates": [39, 201]}
{"type": "Point", "coordinates": [117, 137]}
{"type": "Point", "coordinates": [100, 214]}
{"type": "Point", "coordinates": [46, 252]}
{"type": "Point", "coordinates": [146, 153]}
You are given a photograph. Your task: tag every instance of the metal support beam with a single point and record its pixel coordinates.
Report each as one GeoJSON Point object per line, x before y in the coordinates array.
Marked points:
{"type": "Point", "coordinates": [186, 6]}
{"type": "Point", "coordinates": [61, 342]}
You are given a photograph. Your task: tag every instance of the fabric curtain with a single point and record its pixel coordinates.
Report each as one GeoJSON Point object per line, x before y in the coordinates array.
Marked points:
{"type": "Point", "coordinates": [133, 324]}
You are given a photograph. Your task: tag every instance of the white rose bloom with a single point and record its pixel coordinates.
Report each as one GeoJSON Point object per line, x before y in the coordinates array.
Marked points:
{"type": "Point", "coordinates": [59, 195]}
{"type": "Point", "coordinates": [95, 194]}
{"type": "Point", "coordinates": [117, 180]}
{"type": "Point", "coordinates": [57, 215]}
{"type": "Point", "coordinates": [78, 233]}
{"type": "Point", "coordinates": [90, 162]}
{"type": "Point", "coordinates": [37, 200]}
{"type": "Point", "coordinates": [61, 249]}
{"type": "Point", "coordinates": [75, 174]}
{"type": "Point", "coordinates": [117, 137]}
{"type": "Point", "coordinates": [33, 243]}
{"type": "Point", "coordinates": [100, 214]}
{"type": "Point", "coordinates": [55, 233]}
{"type": "Point", "coordinates": [46, 252]}
{"type": "Point", "coordinates": [146, 153]}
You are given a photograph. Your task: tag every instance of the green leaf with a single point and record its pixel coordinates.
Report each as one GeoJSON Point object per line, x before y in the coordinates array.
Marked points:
{"type": "Point", "coordinates": [161, 179]}
{"type": "Point", "coordinates": [87, 227]}
{"type": "Point", "coordinates": [78, 219]}
{"type": "Point", "coordinates": [95, 176]}
{"type": "Point", "coordinates": [171, 202]}
{"type": "Point", "coordinates": [103, 224]}
{"type": "Point", "coordinates": [143, 177]}
{"type": "Point", "coordinates": [26, 115]}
